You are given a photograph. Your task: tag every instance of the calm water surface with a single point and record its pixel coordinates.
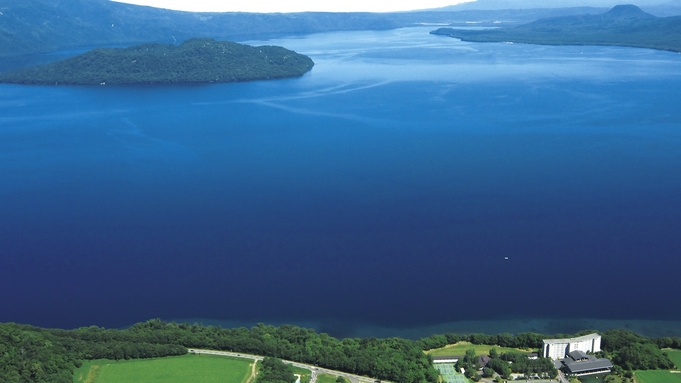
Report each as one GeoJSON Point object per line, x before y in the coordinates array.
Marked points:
{"type": "Point", "coordinates": [384, 188]}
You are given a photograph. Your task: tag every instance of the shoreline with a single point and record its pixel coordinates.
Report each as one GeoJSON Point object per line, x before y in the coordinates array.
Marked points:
{"type": "Point", "coordinates": [548, 326]}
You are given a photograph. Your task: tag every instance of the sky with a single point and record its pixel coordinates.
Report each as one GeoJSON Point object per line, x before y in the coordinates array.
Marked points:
{"type": "Point", "coordinates": [295, 5]}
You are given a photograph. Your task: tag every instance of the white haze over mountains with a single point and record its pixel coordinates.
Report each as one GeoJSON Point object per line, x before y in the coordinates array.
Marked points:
{"type": "Point", "coordinates": [269, 6]}
{"type": "Point", "coordinates": [529, 4]}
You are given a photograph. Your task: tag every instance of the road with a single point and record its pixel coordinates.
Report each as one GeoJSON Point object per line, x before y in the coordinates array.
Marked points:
{"type": "Point", "coordinates": [315, 370]}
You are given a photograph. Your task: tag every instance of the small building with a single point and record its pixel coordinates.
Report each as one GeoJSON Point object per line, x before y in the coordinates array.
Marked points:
{"type": "Point", "coordinates": [446, 359]}
{"type": "Point", "coordinates": [579, 363]}
{"type": "Point", "coordinates": [483, 360]}
{"type": "Point", "coordinates": [560, 348]}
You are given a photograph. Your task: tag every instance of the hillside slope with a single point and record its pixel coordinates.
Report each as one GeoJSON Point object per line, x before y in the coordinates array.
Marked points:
{"type": "Point", "coordinates": [623, 25]}
{"type": "Point", "coordinates": [34, 26]}
{"type": "Point", "coordinates": [194, 61]}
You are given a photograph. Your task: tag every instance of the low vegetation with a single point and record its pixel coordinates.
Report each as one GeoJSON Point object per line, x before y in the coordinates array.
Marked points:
{"type": "Point", "coordinates": [657, 377]}
{"type": "Point", "coordinates": [674, 356]}
{"type": "Point", "coordinates": [326, 378]}
{"type": "Point", "coordinates": [178, 369]}
{"type": "Point", "coordinates": [194, 61]}
{"type": "Point", "coordinates": [460, 348]}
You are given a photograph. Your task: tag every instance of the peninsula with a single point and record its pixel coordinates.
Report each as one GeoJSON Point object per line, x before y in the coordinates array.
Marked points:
{"type": "Point", "coordinates": [623, 25]}
{"type": "Point", "coordinates": [194, 61]}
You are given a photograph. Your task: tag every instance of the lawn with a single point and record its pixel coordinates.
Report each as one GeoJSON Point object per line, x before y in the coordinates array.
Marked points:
{"type": "Point", "coordinates": [326, 378]}
{"type": "Point", "coordinates": [178, 369]}
{"type": "Point", "coordinates": [303, 372]}
{"type": "Point", "coordinates": [657, 376]}
{"type": "Point", "coordinates": [675, 356]}
{"type": "Point", "coordinates": [460, 348]}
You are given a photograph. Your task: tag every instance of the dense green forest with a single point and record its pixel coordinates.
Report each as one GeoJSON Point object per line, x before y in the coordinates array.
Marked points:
{"type": "Point", "coordinates": [33, 354]}
{"type": "Point", "coordinates": [624, 25]}
{"type": "Point", "coordinates": [194, 61]}
{"type": "Point", "coordinates": [275, 371]}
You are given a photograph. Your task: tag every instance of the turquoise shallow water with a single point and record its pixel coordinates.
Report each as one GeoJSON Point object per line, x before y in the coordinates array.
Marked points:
{"type": "Point", "coordinates": [380, 191]}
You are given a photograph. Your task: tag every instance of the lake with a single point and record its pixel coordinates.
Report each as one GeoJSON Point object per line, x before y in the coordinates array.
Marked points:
{"type": "Point", "coordinates": [379, 194]}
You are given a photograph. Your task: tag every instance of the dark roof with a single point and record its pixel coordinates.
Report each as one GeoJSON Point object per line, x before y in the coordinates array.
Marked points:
{"type": "Point", "coordinates": [577, 366]}
{"type": "Point", "coordinates": [484, 359]}
{"type": "Point", "coordinates": [578, 355]}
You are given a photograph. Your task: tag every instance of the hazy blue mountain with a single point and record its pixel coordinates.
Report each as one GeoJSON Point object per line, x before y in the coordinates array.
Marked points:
{"type": "Point", "coordinates": [624, 25]}
{"type": "Point", "coordinates": [656, 7]}
{"type": "Point", "coordinates": [33, 26]}
{"type": "Point", "coordinates": [29, 26]}
{"type": "Point", "coordinates": [529, 4]}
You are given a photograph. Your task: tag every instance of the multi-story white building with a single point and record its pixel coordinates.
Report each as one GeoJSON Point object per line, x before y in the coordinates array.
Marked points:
{"type": "Point", "coordinates": [559, 348]}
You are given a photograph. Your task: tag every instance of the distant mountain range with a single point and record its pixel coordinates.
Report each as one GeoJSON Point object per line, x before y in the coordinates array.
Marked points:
{"type": "Point", "coordinates": [31, 26]}
{"type": "Point", "coordinates": [194, 61]}
{"type": "Point", "coordinates": [623, 25]}
{"type": "Point", "coordinates": [529, 4]}
{"type": "Point", "coordinates": [656, 7]}
{"type": "Point", "coordinates": [36, 26]}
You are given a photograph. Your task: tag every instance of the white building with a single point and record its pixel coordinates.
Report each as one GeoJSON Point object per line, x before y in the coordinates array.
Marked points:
{"type": "Point", "coordinates": [559, 348]}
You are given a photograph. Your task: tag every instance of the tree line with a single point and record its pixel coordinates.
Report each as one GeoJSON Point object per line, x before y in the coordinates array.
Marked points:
{"type": "Point", "coordinates": [37, 355]}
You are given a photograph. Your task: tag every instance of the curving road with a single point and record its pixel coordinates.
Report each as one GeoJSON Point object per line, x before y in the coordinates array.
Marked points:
{"type": "Point", "coordinates": [315, 370]}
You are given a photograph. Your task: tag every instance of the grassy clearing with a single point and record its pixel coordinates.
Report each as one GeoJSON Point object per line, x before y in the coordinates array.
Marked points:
{"type": "Point", "coordinates": [179, 369]}
{"type": "Point", "coordinates": [675, 356]}
{"type": "Point", "coordinates": [326, 378]}
{"type": "Point", "coordinates": [303, 372]}
{"type": "Point", "coordinates": [657, 376]}
{"type": "Point", "coordinates": [461, 347]}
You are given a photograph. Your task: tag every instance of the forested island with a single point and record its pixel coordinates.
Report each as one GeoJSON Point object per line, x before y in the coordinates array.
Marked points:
{"type": "Point", "coordinates": [623, 25]}
{"type": "Point", "coordinates": [194, 61]}
{"type": "Point", "coordinates": [34, 354]}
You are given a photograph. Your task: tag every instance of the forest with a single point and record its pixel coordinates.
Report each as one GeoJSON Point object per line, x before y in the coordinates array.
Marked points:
{"type": "Point", "coordinates": [34, 354]}
{"type": "Point", "coordinates": [194, 61]}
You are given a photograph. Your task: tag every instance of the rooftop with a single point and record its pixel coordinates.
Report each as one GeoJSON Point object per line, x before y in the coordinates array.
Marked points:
{"type": "Point", "coordinates": [570, 340]}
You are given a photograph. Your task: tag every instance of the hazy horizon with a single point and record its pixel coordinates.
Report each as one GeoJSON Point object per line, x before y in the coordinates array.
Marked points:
{"type": "Point", "coordinates": [265, 6]}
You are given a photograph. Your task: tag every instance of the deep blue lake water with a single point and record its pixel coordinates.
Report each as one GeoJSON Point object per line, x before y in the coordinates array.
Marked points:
{"type": "Point", "coordinates": [382, 189]}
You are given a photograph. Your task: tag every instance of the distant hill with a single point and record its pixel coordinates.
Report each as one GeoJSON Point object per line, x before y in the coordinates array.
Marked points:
{"type": "Point", "coordinates": [194, 61]}
{"type": "Point", "coordinates": [623, 25]}
{"type": "Point", "coordinates": [529, 4]}
{"type": "Point", "coordinates": [34, 26]}
{"type": "Point", "coordinates": [37, 26]}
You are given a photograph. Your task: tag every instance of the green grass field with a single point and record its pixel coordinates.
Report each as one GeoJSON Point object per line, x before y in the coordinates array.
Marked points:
{"type": "Point", "coordinates": [657, 376]}
{"type": "Point", "coordinates": [303, 372]}
{"type": "Point", "coordinates": [179, 369]}
{"type": "Point", "coordinates": [326, 378]}
{"type": "Point", "coordinates": [675, 356]}
{"type": "Point", "coordinates": [461, 347]}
